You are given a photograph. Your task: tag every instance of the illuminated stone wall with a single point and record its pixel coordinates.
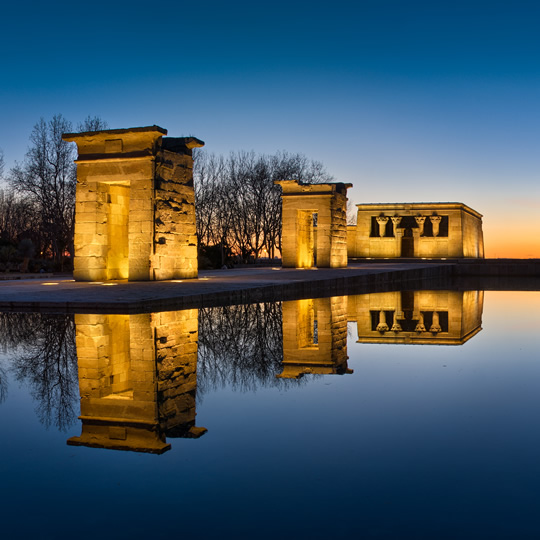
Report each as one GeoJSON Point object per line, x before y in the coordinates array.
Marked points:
{"type": "Point", "coordinates": [314, 337]}
{"type": "Point", "coordinates": [421, 230]}
{"type": "Point", "coordinates": [135, 205]}
{"type": "Point", "coordinates": [417, 317]}
{"type": "Point", "coordinates": [176, 335]}
{"type": "Point", "coordinates": [301, 247]}
{"type": "Point", "coordinates": [137, 379]}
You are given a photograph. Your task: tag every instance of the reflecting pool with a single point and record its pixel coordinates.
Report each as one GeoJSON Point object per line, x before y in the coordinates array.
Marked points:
{"type": "Point", "coordinates": [391, 415]}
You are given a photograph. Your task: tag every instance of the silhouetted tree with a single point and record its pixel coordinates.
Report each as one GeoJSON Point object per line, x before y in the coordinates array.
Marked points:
{"type": "Point", "coordinates": [238, 205]}
{"type": "Point", "coordinates": [47, 177]}
{"type": "Point", "coordinates": [92, 123]}
{"type": "Point", "coordinates": [352, 213]}
{"type": "Point", "coordinates": [18, 219]}
{"type": "Point", "coordinates": [44, 184]}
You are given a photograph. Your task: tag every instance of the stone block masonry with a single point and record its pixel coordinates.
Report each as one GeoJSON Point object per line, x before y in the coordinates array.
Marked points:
{"type": "Point", "coordinates": [135, 205]}
{"type": "Point", "coordinates": [416, 230]}
{"type": "Point", "coordinates": [302, 204]}
{"type": "Point", "coordinates": [137, 379]}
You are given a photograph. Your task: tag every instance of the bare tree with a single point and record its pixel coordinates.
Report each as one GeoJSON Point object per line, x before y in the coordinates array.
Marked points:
{"type": "Point", "coordinates": [352, 213]}
{"type": "Point", "coordinates": [18, 218]}
{"type": "Point", "coordinates": [209, 172]}
{"type": "Point", "coordinates": [238, 205]}
{"type": "Point", "coordinates": [44, 183]}
{"type": "Point", "coordinates": [47, 178]}
{"type": "Point", "coordinates": [92, 123]}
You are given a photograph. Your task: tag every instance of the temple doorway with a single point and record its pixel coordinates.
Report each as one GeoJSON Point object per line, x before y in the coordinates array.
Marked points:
{"type": "Point", "coordinates": [407, 244]}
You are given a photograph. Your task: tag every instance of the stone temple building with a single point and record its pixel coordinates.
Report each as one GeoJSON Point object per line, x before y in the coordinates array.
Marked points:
{"type": "Point", "coordinates": [137, 379]}
{"type": "Point", "coordinates": [303, 205]}
{"type": "Point", "coordinates": [314, 337]}
{"type": "Point", "coordinates": [135, 205]}
{"type": "Point", "coordinates": [417, 317]}
{"type": "Point", "coordinates": [416, 230]}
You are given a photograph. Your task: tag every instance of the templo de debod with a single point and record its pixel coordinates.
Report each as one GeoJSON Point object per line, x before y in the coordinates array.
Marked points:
{"type": "Point", "coordinates": [437, 230]}
{"type": "Point", "coordinates": [314, 337]}
{"type": "Point", "coordinates": [137, 379]}
{"type": "Point", "coordinates": [135, 215]}
{"type": "Point", "coordinates": [417, 317]}
{"type": "Point", "coordinates": [135, 205]}
{"type": "Point", "coordinates": [302, 205]}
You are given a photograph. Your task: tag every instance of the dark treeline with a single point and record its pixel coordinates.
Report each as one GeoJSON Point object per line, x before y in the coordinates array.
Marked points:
{"type": "Point", "coordinates": [238, 205]}
{"type": "Point", "coordinates": [37, 201]}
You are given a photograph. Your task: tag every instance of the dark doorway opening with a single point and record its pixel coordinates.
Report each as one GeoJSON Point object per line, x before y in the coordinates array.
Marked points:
{"type": "Point", "coordinates": [407, 244]}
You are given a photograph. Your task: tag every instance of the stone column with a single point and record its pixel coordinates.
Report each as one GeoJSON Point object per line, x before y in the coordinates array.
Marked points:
{"type": "Point", "coordinates": [382, 326]}
{"type": "Point", "coordinates": [398, 315]}
{"type": "Point", "coordinates": [420, 327]}
{"type": "Point", "coordinates": [416, 240]}
{"type": "Point", "coordinates": [396, 220]}
{"type": "Point", "coordinates": [435, 222]}
{"type": "Point", "coordinates": [396, 327]}
{"type": "Point", "coordinates": [420, 221]}
{"type": "Point", "coordinates": [382, 221]}
{"type": "Point", "coordinates": [398, 235]}
{"type": "Point", "coordinates": [435, 326]}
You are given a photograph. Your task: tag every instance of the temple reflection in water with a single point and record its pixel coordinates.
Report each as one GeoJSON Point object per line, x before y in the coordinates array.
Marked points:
{"type": "Point", "coordinates": [417, 317]}
{"type": "Point", "coordinates": [138, 373]}
{"type": "Point", "coordinates": [137, 379]}
{"type": "Point", "coordinates": [315, 337]}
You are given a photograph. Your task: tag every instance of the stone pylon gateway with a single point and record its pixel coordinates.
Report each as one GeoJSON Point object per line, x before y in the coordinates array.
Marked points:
{"type": "Point", "coordinates": [135, 205]}
{"type": "Point", "coordinates": [303, 245]}
{"type": "Point", "coordinates": [314, 337]}
{"type": "Point", "coordinates": [137, 379]}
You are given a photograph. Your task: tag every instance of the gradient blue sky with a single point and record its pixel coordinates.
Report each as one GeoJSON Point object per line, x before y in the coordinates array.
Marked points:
{"type": "Point", "coordinates": [408, 100]}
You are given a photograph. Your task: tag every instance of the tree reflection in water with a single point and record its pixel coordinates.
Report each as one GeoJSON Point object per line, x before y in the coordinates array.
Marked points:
{"type": "Point", "coordinates": [240, 346]}
{"type": "Point", "coordinates": [46, 359]}
{"type": "Point", "coordinates": [3, 384]}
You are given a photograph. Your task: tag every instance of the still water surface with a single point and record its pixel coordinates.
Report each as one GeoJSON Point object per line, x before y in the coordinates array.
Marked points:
{"type": "Point", "coordinates": [320, 421]}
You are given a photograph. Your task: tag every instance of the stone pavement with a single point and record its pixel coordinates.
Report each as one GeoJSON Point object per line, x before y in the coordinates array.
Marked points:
{"type": "Point", "coordinates": [213, 287]}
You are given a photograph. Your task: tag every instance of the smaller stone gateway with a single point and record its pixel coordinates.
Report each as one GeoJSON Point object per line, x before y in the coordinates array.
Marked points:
{"type": "Point", "coordinates": [135, 205]}
{"type": "Point", "coordinates": [303, 245]}
{"type": "Point", "coordinates": [314, 337]}
{"type": "Point", "coordinates": [416, 230]}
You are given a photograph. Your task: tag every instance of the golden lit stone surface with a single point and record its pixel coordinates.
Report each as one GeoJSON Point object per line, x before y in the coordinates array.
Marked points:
{"type": "Point", "coordinates": [137, 379]}
{"type": "Point", "coordinates": [416, 230]}
{"type": "Point", "coordinates": [303, 246]}
{"type": "Point", "coordinates": [135, 205]}
{"type": "Point", "coordinates": [314, 337]}
{"type": "Point", "coordinates": [417, 317]}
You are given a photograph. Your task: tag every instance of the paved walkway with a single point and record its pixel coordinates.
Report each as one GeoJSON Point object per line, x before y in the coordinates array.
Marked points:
{"type": "Point", "coordinates": [216, 287]}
